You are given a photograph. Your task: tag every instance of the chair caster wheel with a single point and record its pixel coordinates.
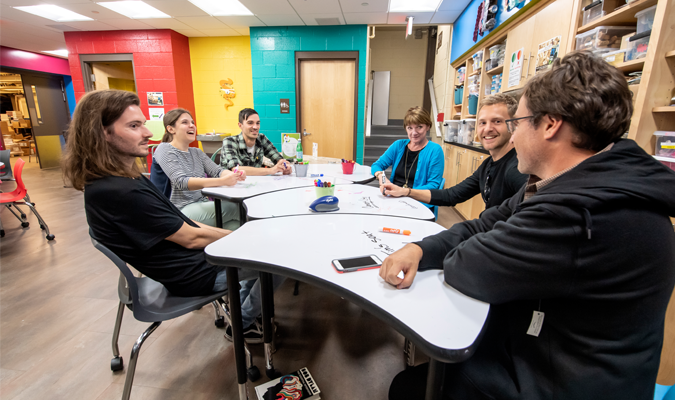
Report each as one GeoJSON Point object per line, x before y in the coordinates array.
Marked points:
{"type": "Point", "coordinates": [272, 373]}
{"type": "Point", "coordinates": [253, 373]}
{"type": "Point", "coordinates": [23, 216]}
{"type": "Point", "coordinates": [117, 364]}
{"type": "Point", "coordinates": [220, 322]}
{"type": "Point", "coordinates": [25, 224]}
{"type": "Point", "coordinates": [50, 237]}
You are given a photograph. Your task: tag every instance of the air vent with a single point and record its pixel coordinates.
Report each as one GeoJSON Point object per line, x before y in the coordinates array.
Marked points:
{"type": "Point", "coordinates": [328, 21]}
{"type": "Point", "coordinates": [64, 28]}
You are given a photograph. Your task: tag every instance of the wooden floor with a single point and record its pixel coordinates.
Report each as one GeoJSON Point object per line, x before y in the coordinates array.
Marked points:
{"type": "Point", "coordinates": [57, 308]}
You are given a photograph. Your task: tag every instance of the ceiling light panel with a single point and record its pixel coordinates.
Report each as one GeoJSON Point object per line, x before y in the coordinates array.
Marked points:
{"type": "Point", "coordinates": [55, 13]}
{"type": "Point", "coordinates": [134, 9]}
{"type": "Point", "coordinates": [61, 53]}
{"type": "Point", "coordinates": [413, 5]}
{"type": "Point", "coordinates": [222, 8]}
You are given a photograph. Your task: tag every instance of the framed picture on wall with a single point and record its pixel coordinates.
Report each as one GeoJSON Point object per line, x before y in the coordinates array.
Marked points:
{"type": "Point", "coordinates": [155, 98]}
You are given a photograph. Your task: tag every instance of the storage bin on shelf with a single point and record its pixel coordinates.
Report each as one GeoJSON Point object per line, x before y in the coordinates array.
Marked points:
{"type": "Point", "coordinates": [615, 57]}
{"type": "Point", "coordinates": [592, 12]}
{"type": "Point", "coordinates": [451, 130]}
{"type": "Point", "coordinates": [467, 129]}
{"type": "Point", "coordinates": [477, 60]}
{"type": "Point", "coordinates": [639, 44]}
{"type": "Point", "coordinates": [645, 19]}
{"type": "Point", "coordinates": [665, 144]}
{"type": "Point", "coordinates": [459, 94]}
{"type": "Point", "coordinates": [602, 38]}
{"type": "Point", "coordinates": [496, 55]}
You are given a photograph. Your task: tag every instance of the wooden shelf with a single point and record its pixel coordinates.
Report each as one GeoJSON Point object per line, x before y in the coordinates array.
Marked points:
{"type": "Point", "coordinates": [670, 54]}
{"type": "Point", "coordinates": [474, 73]}
{"type": "Point", "coordinates": [457, 106]}
{"type": "Point", "coordinates": [470, 116]}
{"type": "Point", "coordinates": [631, 66]}
{"type": "Point", "coordinates": [496, 71]}
{"type": "Point", "coordinates": [665, 109]}
{"type": "Point", "coordinates": [624, 16]}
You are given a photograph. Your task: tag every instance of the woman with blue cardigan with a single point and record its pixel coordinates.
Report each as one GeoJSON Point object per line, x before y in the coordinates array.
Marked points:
{"type": "Point", "coordinates": [416, 162]}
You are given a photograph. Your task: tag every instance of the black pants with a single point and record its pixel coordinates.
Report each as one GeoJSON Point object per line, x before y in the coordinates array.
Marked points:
{"type": "Point", "coordinates": [411, 384]}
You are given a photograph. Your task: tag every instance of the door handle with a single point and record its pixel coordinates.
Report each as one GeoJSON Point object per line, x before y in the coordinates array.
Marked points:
{"type": "Point", "coordinates": [527, 70]}
{"type": "Point", "coordinates": [305, 133]}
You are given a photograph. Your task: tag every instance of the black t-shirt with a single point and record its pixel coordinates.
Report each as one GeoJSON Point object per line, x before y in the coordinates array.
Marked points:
{"type": "Point", "coordinates": [133, 218]}
{"type": "Point", "coordinates": [410, 165]}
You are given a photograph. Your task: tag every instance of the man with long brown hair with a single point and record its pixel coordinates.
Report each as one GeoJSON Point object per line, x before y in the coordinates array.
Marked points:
{"type": "Point", "coordinates": [127, 213]}
{"type": "Point", "coordinates": [578, 266]}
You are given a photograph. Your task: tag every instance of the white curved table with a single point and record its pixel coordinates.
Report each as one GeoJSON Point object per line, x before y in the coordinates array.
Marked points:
{"type": "Point", "coordinates": [444, 323]}
{"type": "Point", "coordinates": [354, 199]}
{"type": "Point", "coordinates": [361, 173]}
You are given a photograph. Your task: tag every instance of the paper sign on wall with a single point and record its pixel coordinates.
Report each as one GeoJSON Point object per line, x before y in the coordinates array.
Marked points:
{"type": "Point", "coordinates": [289, 143]}
{"type": "Point", "coordinates": [516, 67]}
{"type": "Point", "coordinates": [155, 98]}
{"type": "Point", "coordinates": [156, 114]}
{"type": "Point", "coordinates": [547, 53]}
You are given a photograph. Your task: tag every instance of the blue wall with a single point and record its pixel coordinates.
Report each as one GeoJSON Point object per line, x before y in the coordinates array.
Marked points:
{"type": "Point", "coordinates": [273, 64]}
{"type": "Point", "coordinates": [70, 93]}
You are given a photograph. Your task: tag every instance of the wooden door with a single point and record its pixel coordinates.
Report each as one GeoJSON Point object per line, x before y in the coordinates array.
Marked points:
{"type": "Point", "coordinates": [552, 21]}
{"type": "Point", "coordinates": [327, 107]}
{"type": "Point", "coordinates": [518, 38]}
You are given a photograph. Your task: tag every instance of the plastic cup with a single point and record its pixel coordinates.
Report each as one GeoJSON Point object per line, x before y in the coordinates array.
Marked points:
{"type": "Point", "coordinates": [301, 170]}
{"type": "Point", "coordinates": [324, 191]}
{"type": "Point", "coordinates": [348, 168]}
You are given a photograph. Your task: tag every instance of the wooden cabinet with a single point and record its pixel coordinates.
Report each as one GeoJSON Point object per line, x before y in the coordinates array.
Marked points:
{"type": "Point", "coordinates": [553, 20]}
{"type": "Point", "coordinates": [518, 38]}
{"type": "Point", "coordinates": [477, 203]}
{"type": "Point", "coordinates": [460, 163]}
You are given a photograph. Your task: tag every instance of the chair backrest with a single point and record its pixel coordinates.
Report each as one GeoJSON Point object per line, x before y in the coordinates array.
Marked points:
{"type": "Point", "coordinates": [159, 179]}
{"type": "Point", "coordinates": [216, 156]}
{"type": "Point", "coordinates": [6, 172]}
{"type": "Point", "coordinates": [441, 186]}
{"type": "Point", "coordinates": [121, 265]}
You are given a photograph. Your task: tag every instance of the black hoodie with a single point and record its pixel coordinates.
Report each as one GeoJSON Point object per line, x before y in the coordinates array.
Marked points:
{"type": "Point", "coordinates": [595, 251]}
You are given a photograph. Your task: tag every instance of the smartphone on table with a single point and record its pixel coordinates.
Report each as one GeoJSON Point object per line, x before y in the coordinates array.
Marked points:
{"type": "Point", "coordinates": [352, 264]}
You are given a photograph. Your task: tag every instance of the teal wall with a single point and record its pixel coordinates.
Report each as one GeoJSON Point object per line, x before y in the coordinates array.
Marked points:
{"type": "Point", "coordinates": [273, 64]}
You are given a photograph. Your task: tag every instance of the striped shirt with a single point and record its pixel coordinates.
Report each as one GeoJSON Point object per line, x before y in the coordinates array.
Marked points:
{"type": "Point", "coordinates": [180, 166]}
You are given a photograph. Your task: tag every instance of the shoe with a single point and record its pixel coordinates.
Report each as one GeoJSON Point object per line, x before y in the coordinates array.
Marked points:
{"type": "Point", "coordinates": [253, 334]}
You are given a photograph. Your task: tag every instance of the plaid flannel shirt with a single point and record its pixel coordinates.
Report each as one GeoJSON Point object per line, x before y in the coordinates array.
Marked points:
{"type": "Point", "coordinates": [234, 152]}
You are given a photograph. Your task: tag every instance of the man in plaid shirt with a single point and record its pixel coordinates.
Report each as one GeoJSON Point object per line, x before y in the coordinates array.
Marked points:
{"type": "Point", "coordinates": [246, 151]}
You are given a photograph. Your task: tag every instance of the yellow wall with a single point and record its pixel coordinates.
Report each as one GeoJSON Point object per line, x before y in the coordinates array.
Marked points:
{"type": "Point", "coordinates": [213, 59]}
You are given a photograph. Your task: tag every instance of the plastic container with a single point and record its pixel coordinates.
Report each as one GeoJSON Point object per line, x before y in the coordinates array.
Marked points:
{"type": "Point", "coordinates": [665, 144]}
{"type": "Point", "coordinates": [615, 57]}
{"type": "Point", "coordinates": [645, 19]}
{"type": "Point", "coordinates": [602, 38]}
{"type": "Point", "coordinates": [451, 130]}
{"type": "Point", "coordinates": [473, 104]}
{"type": "Point", "coordinates": [639, 44]}
{"type": "Point", "coordinates": [348, 168]}
{"type": "Point", "coordinates": [467, 129]}
{"type": "Point", "coordinates": [301, 170]}
{"type": "Point", "coordinates": [592, 12]}
{"type": "Point", "coordinates": [459, 91]}
{"type": "Point", "coordinates": [324, 191]}
{"type": "Point", "coordinates": [477, 60]}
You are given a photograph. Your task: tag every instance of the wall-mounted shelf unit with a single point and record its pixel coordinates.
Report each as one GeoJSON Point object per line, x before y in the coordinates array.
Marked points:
{"type": "Point", "coordinates": [496, 71]}
{"type": "Point", "coordinates": [666, 109]}
{"type": "Point", "coordinates": [631, 66]}
{"type": "Point", "coordinates": [624, 16]}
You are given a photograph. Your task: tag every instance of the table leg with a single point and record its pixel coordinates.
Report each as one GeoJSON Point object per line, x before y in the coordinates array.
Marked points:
{"type": "Point", "coordinates": [267, 295]}
{"type": "Point", "coordinates": [242, 214]}
{"type": "Point", "coordinates": [435, 380]}
{"type": "Point", "coordinates": [237, 330]}
{"type": "Point", "coordinates": [219, 213]}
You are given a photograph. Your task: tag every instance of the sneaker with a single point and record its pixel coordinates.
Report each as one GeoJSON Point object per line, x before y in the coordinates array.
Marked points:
{"type": "Point", "coordinates": [253, 334]}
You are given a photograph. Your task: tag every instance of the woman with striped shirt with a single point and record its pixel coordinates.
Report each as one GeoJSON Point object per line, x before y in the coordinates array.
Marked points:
{"type": "Point", "coordinates": [190, 170]}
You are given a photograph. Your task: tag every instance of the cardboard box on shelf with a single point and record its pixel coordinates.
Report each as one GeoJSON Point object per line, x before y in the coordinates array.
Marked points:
{"type": "Point", "coordinates": [4, 127]}
{"type": "Point", "coordinates": [15, 124]}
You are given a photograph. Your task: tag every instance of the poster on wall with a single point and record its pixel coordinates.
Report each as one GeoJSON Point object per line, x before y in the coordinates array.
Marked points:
{"type": "Point", "coordinates": [289, 143]}
{"type": "Point", "coordinates": [516, 67]}
{"type": "Point", "coordinates": [546, 54]}
{"type": "Point", "coordinates": [156, 114]}
{"type": "Point", "coordinates": [155, 98]}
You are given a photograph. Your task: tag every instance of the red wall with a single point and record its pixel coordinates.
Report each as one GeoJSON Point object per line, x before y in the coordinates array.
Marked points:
{"type": "Point", "coordinates": [161, 62]}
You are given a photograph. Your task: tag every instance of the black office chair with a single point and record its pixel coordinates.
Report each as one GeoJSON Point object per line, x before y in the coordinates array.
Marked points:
{"type": "Point", "coordinates": [151, 302]}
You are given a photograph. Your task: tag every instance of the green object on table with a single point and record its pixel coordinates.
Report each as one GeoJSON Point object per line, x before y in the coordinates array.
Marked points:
{"type": "Point", "coordinates": [157, 129]}
{"type": "Point", "coordinates": [325, 191]}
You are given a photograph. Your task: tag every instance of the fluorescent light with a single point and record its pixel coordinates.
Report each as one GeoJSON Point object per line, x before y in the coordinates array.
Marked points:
{"type": "Point", "coordinates": [55, 13]}
{"type": "Point", "coordinates": [62, 53]}
{"type": "Point", "coordinates": [134, 9]}
{"type": "Point", "coordinates": [413, 5]}
{"type": "Point", "coordinates": [222, 8]}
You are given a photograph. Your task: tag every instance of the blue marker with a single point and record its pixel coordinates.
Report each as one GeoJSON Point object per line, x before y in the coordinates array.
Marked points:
{"type": "Point", "coordinates": [315, 175]}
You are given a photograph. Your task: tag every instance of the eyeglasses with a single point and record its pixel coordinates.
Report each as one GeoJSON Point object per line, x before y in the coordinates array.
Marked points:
{"type": "Point", "coordinates": [512, 124]}
{"type": "Point", "coordinates": [486, 190]}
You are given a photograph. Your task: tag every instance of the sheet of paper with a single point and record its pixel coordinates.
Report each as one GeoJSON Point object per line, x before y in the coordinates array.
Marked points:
{"type": "Point", "coordinates": [516, 67]}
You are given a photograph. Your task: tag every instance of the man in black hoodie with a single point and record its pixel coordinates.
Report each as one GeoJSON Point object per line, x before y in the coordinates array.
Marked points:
{"type": "Point", "coordinates": [578, 266]}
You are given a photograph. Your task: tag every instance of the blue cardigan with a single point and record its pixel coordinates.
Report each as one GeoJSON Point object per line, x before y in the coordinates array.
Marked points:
{"type": "Point", "coordinates": [430, 164]}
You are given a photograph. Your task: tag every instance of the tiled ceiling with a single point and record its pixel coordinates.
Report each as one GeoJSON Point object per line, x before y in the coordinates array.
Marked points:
{"type": "Point", "coordinates": [25, 31]}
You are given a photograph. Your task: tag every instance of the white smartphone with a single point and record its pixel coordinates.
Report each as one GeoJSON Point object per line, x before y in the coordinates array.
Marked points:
{"type": "Point", "coordinates": [356, 263]}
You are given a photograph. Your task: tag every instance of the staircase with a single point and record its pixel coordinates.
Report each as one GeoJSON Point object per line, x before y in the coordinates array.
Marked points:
{"type": "Point", "coordinates": [381, 137]}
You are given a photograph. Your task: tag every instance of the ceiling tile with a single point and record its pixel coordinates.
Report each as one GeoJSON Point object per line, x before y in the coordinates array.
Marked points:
{"type": "Point", "coordinates": [126, 23]}
{"type": "Point", "coordinates": [453, 5]}
{"type": "Point", "coordinates": [366, 18]}
{"type": "Point", "coordinates": [310, 19]}
{"type": "Point", "coordinates": [281, 20]}
{"type": "Point", "coordinates": [445, 17]}
{"type": "Point", "coordinates": [87, 8]}
{"type": "Point", "coordinates": [91, 26]}
{"type": "Point", "coordinates": [191, 33]}
{"type": "Point", "coordinates": [220, 32]}
{"type": "Point", "coordinates": [316, 6]}
{"type": "Point", "coordinates": [165, 23]}
{"type": "Point", "coordinates": [268, 6]}
{"type": "Point", "coordinates": [202, 22]}
{"type": "Point", "coordinates": [244, 31]}
{"type": "Point", "coordinates": [240, 21]}
{"type": "Point", "coordinates": [419, 17]}
{"type": "Point", "coordinates": [26, 18]}
{"type": "Point", "coordinates": [178, 8]}
{"type": "Point", "coordinates": [355, 6]}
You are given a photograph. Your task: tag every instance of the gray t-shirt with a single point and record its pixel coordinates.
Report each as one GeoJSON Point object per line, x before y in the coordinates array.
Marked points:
{"type": "Point", "coordinates": [180, 166]}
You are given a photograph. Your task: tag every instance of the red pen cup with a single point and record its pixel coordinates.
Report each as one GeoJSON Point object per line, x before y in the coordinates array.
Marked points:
{"type": "Point", "coordinates": [348, 168]}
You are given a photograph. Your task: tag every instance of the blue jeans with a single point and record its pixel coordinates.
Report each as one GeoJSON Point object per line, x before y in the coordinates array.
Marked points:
{"type": "Point", "coordinates": [249, 294]}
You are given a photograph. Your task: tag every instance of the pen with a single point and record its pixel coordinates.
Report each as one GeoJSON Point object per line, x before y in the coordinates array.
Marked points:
{"type": "Point", "coordinates": [394, 230]}
{"type": "Point", "coordinates": [315, 175]}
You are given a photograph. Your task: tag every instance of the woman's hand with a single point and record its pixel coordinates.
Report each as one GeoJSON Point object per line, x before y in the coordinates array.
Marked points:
{"type": "Point", "coordinates": [229, 178]}
{"type": "Point", "coordinates": [393, 190]}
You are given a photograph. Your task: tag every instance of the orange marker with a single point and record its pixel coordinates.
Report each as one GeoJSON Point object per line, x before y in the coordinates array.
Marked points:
{"type": "Point", "coordinates": [394, 230]}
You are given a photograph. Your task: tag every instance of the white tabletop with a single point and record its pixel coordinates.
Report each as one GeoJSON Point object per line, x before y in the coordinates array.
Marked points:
{"type": "Point", "coordinates": [354, 199]}
{"type": "Point", "coordinates": [441, 321]}
{"type": "Point", "coordinates": [255, 185]}
{"type": "Point", "coordinates": [361, 172]}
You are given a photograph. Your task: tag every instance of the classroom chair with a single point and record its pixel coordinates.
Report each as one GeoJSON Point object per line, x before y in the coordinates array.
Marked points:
{"type": "Point", "coordinates": [151, 302]}
{"type": "Point", "coordinates": [159, 179]}
{"type": "Point", "coordinates": [6, 171]}
{"type": "Point", "coordinates": [216, 156]}
{"type": "Point", "coordinates": [20, 196]}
